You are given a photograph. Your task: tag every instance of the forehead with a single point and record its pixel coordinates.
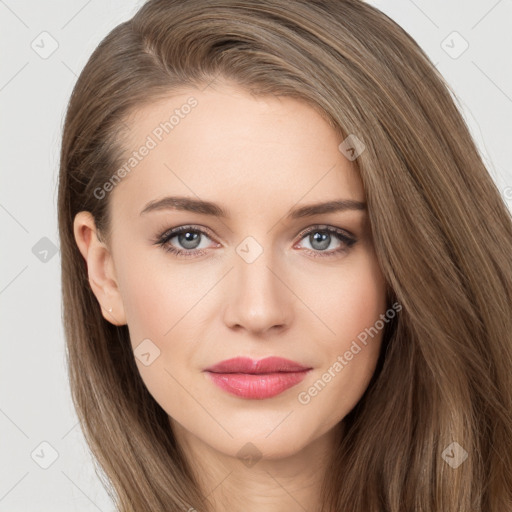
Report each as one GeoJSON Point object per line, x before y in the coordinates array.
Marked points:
{"type": "Point", "coordinates": [233, 148]}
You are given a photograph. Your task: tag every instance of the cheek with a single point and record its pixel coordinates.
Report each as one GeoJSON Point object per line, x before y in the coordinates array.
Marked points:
{"type": "Point", "coordinates": [158, 296]}
{"type": "Point", "coordinates": [158, 306]}
{"type": "Point", "coordinates": [352, 306]}
{"type": "Point", "coordinates": [352, 300]}
{"type": "Point", "coordinates": [162, 302]}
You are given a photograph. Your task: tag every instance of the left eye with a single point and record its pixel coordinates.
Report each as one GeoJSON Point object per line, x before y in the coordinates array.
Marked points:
{"type": "Point", "coordinates": [319, 238]}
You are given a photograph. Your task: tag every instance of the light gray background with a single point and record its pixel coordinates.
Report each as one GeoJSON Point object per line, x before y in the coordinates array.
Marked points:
{"type": "Point", "coordinates": [35, 403]}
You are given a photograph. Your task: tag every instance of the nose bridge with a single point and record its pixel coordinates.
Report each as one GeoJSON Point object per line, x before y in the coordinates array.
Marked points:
{"type": "Point", "coordinates": [258, 299]}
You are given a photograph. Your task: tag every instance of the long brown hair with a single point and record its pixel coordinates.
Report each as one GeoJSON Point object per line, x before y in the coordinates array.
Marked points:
{"type": "Point", "coordinates": [442, 234]}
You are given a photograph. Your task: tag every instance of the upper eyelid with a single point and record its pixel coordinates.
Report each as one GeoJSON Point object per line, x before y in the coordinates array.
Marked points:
{"type": "Point", "coordinates": [325, 227]}
{"type": "Point", "coordinates": [171, 233]}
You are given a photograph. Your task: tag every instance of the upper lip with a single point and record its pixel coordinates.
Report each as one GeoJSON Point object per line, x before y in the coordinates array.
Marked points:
{"type": "Point", "coordinates": [248, 365]}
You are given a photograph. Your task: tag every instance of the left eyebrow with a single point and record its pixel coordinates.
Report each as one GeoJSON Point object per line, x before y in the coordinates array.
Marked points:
{"type": "Point", "coordinates": [340, 205]}
{"type": "Point", "coordinates": [208, 208]}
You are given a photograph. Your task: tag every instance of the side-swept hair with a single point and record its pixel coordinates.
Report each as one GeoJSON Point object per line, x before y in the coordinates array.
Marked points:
{"type": "Point", "coordinates": [442, 235]}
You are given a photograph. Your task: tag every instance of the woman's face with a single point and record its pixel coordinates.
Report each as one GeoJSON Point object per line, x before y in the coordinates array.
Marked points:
{"type": "Point", "coordinates": [276, 275]}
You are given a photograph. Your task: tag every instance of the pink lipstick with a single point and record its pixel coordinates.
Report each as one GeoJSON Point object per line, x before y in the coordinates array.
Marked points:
{"type": "Point", "coordinates": [257, 380]}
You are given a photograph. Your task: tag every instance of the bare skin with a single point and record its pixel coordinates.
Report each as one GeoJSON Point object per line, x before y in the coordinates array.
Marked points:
{"type": "Point", "coordinates": [300, 298]}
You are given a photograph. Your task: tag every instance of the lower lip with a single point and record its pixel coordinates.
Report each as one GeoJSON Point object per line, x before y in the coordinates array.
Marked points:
{"type": "Point", "coordinates": [257, 387]}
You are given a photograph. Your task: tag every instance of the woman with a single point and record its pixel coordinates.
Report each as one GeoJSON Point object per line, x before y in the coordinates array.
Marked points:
{"type": "Point", "coordinates": [286, 271]}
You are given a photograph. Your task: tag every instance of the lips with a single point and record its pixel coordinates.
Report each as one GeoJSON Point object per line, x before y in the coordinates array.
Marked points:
{"type": "Point", "coordinates": [248, 378]}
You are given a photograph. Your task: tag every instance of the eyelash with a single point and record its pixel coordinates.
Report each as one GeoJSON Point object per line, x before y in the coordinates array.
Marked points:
{"type": "Point", "coordinates": [164, 239]}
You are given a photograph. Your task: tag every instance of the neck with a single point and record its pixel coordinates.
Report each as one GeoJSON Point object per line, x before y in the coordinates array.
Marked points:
{"type": "Point", "coordinates": [253, 481]}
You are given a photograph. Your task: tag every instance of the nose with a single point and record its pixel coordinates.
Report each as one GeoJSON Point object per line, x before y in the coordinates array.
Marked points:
{"type": "Point", "coordinates": [258, 300]}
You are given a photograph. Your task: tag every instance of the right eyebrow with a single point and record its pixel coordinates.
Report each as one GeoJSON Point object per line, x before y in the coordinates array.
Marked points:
{"type": "Point", "coordinates": [186, 204]}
